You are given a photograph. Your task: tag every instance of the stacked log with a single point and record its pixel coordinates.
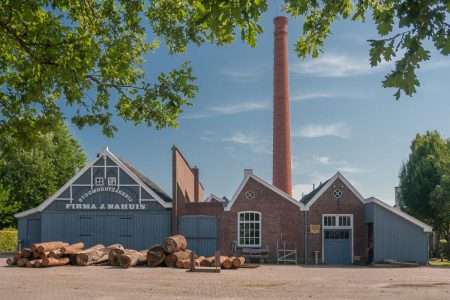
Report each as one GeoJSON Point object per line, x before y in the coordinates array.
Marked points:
{"type": "Point", "coordinates": [155, 256]}
{"type": "Point", "coordinates": [171, 259]}
{"type": "Point", "coordinates": [175, 243]}
{"type": "Point", "coordinates": [132, 258]}
{"type": "Point", "coordinates": [113, 256]}
{"type": "Point", "coordinates": [96, 256]}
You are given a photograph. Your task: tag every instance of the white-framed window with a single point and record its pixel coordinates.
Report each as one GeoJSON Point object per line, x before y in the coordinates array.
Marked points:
{"type": "Point", "coordinates": [337, 221]}
{"type": "Point", "coordinates": [99, 181]}
{"type": "Point", "coordinates": [112, 181]}
{"type": "Point", "coordinates": [249, 229]}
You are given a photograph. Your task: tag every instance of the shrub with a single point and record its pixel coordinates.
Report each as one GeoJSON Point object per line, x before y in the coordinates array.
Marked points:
{"type": "Point", "coordinates": [8, 240]}
{"type": "Point", "coordinates": [443, 248]}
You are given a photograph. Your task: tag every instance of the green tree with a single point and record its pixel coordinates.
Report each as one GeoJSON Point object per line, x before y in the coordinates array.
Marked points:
{"type": "Point", "coordinates": [425, 182]}
{"type": "Point", "coordinates": [89, 54]}
{"type": "Point", "coordinates": [29, 176]}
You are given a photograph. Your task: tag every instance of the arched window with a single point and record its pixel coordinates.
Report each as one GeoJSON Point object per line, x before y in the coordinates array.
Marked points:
{"type": "Point", "coordinates": [249, 229]}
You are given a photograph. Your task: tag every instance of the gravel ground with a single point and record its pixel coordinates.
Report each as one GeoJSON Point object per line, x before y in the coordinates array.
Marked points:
{"type": "Point", "coordinates": [265, 282]}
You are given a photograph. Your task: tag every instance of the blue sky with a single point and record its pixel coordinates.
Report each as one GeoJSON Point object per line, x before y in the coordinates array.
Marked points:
{"type": "Point", "coordinates": [342, 118]}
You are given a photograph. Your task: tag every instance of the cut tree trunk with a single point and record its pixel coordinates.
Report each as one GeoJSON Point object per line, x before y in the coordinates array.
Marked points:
{"type": "Point", "coordinates": [37, 263]}
{"type": "Point", "coordinates": [133, 258]}
{"type": "Point", "coordinates": [42, 255]}
{"type": "Point", "coordinates": [73, 257]}
{"type": "Point", "coordinates": [22, 262]}
{"type": "Point", "coordinates": [113, 256]}
{"type": "Point", "coordinates": [50, 261]}
{"type": "Point", "coordinates": [56, 253]}
{"type": "Point", "coordinates": [205, 262]}
{"type": "Point", "coordinates": [95, 256]}
{"type": "Point", "coordinates": [48, 246]}
{"type": "Point", "coordinates": [155, 256]}
{"type": "Point", "coordinates": [225, 262]}
{"type": "Point", "coordinates": [11, 261]}
{"type": "Point", "coordinates": [73, 249]}
{"type": "Point", "coordinates": [237, 262]}
{"type": "Point", "coordinates": [171, 259]}
{"type": "Point", "coordinates": [175, 243]}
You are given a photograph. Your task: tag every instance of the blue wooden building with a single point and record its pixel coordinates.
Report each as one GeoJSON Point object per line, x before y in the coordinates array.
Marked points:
{"type": "Point", "coordinates": [107, 202]}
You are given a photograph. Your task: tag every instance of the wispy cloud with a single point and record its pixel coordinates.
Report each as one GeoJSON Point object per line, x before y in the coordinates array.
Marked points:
{"type": "Point", "coordinates": [256, 143]}
{"type": "Point", "coordinates": [239, 108]}
{"type": "Point", "coordinates": [311, 96]}
{"type": "Point", "coordinates": [340, 130]}
{"type": "Point", "coordinates": [333, 65]}
{"type": "Point", "coordinates": [231, 109]}
{"type": "Point", "coordinates": [242, 75]}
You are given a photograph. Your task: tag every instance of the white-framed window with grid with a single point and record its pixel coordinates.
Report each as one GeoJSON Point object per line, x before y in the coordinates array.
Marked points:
{"type": "Point", "coordinates": [249, 229]}
{"type": "Point", "coordinates": [112, 181]}
{"type": "Point", "coordinates": [337, 221]}
{"type": "Point", "coordinates": [99, 181]}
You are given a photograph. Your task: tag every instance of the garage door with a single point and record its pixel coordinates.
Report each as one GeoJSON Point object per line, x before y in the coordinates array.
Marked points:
{"type": "Point", "coordinates": [338, 247]}
{"type": "Point", "coordinates": [201, 233]}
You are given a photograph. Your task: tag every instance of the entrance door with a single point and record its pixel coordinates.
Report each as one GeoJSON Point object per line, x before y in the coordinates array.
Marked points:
{"type": "Point", "coordinates": [338, 246]}
{"type": "Point", "coordinates": [337, 239]}
{"type": "Point", "coordinates": [201, 233]}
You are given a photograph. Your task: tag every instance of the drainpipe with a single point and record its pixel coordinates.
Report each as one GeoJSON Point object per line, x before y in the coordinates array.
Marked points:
{"type": "Point", "coordinates": [306, 237]}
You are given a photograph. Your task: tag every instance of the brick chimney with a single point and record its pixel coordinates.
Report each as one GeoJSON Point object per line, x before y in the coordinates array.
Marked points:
{"type": "Point", "coordinates": [281, 119]}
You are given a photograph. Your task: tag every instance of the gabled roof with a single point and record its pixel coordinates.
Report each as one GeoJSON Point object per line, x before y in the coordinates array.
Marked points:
{"type": "Point", "coordinates": [409, 218]}
{"type": "Point", "coordinates": [149, 186]}
{"type": "Point", "coordinates": [267, 185]}
{"type": "Point", "coordinates": [149, 183]}
{"type": "Point", "coordinates": [312, 197]}
{"type": "Point", "coordinates": [213, 197]}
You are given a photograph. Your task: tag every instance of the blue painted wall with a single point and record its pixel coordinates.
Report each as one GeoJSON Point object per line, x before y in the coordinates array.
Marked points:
{"type": "Point", "coordinates": [201, 233]}
{"type": "Point", "coordinates": [395, 237]}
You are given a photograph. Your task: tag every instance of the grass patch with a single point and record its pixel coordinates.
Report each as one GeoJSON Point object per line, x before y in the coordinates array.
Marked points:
{"type": "Point", "coordinates": [8, 240]}
{"type": "Point", "coordinates": [436, 262]}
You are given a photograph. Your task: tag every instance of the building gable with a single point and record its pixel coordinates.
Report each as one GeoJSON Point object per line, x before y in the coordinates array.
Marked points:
{"type": "Point", "coordinates": [252, 179]}
{"type": "Point", "coordinates": [106, 175]}
{"type": "Point", "coordinates": [335, 184]}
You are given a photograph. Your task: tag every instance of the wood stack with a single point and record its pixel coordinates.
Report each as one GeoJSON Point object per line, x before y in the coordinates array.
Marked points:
{"type": "Point", "coordinates": [172, 253]}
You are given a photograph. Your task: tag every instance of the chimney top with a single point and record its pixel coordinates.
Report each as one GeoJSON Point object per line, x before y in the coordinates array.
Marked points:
{"type": "Point", "coordinates": [248, 172]}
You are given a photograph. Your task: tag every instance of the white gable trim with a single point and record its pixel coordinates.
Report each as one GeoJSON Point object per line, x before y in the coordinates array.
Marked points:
{"type": "Point", "coordinates": [330, 182]}
{"type": "Point", "coordinates": [425, 227]}
{"type": "Point", "coordinates": [108, 153]}
{"type": "Point", "coordinates": [266, 184]}
{"type": "Point", "coordinates": [139, 181]}
{"type": "Point", "coordinates": [213, 197]}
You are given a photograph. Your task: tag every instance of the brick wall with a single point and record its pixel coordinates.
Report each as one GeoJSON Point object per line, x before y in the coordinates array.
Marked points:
{"type": "Point", "coordinates": [348, 204]}
{"type": "Point", "coordinates": [280, 218]}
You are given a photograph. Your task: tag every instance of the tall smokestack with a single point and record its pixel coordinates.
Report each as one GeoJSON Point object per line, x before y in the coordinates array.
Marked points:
{"type": "Point", "coordinates": [281, 119]}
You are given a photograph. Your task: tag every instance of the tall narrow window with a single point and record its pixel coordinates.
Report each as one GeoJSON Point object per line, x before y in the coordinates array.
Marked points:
{"type": "Point", "coordinates": [249, 229]}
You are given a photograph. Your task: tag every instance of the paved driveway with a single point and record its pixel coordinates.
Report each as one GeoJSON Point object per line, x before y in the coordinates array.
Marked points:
{"type": "Point", "coordinates": [266, 282]}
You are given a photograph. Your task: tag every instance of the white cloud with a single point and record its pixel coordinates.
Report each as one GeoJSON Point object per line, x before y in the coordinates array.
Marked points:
{"type": "Point", "coordinates": [255, 143]}
{"type": "Point", "coordinates": [351, 170]}
{"type": "Point", "coordinates": [231, 109]}
{"type": "Point", "coordinates": [311, 96]}
{"type": "Point", "coordinates": [241, 75]}
{"type": "Point", "coordinates": [333, 65]}
{"type": "Point", "coordinates": [340, 129]}
{"type": "Point", "coordinates": [239, 107]}
{"type": "Point", "coordinates": [325, 160]}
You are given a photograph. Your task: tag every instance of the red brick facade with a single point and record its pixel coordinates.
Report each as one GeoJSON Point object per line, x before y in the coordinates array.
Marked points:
{"type": "Point", "coordinates": [328, 204]}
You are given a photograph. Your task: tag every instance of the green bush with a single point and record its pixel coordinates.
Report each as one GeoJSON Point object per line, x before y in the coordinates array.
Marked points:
{"type": "Point", "coordinates": [8, 240]}
{"type": "Point", "coordinates": [443, 249]}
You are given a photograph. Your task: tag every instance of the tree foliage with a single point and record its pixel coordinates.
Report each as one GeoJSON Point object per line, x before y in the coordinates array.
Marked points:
{"type": "Point", "coordinates": [403, 25]}
{"type": "Point", "coordinates": [28, 177]}
{"type": "Point", "coordinates": [88, 55]}
{"type": "Point", "coordinates": [425, 181]}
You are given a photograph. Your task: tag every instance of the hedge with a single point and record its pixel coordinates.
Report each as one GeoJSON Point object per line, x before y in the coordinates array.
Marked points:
{"type": "Point", "coordinates": [8, 240]}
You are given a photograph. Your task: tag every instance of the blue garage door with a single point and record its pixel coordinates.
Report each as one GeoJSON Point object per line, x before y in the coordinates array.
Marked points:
{"type": "Point", "coordinates": [338, 247]}
{"type": "Point", "coordinates": [201, 233]}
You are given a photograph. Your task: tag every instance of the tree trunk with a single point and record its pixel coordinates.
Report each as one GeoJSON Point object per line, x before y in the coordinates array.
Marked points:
{"type": "Point", "coordinates": [22, 262]}
{"type": "Point", "coordinates": [56, 253]}
{"type": "Point", "coordinates": [48, 246]}
{"type": "Point", "coordinates": [225, 262]}
{"type": "Point", "coordinates": [95, 256]}
{"type": "Point", "coordinates": [113, 256]}
{"type": "Point", "coordinates": [171, 259]}
{"type": "Point", "coordinates": [50, 261]}
{"type": "Point", "coordinates": [155, 256]}
{"type": "Point", "coordinates": [175, 243]}
{"type": "Point", "coordinates": [11, 261]}
{"type": "Point", "coordinates": [73, 249]}
{"type": "Point", "coordinates": [237, 261]}
{"type": "Point", "coordinates": [133, 258]}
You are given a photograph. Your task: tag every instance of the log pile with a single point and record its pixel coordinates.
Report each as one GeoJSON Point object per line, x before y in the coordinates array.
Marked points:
{"type": "Point", "coordinates": [172, 253]}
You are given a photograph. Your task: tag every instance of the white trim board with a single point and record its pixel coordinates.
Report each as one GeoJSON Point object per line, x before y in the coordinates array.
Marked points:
{"type": "Point", "coordinates": [425, 227]}
{"type": "Point", "coordinates": [330, 182]}
{"type": "Point", "coordinates": [266, 184]}
{"type": "Point", "coordinates": [108, 153]}
{"type": "Point", "coordinates": [337, 227]}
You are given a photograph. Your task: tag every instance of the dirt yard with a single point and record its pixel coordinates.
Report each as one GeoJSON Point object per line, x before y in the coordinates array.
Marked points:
{"type": "Point", "coordinates": [266, 282]}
